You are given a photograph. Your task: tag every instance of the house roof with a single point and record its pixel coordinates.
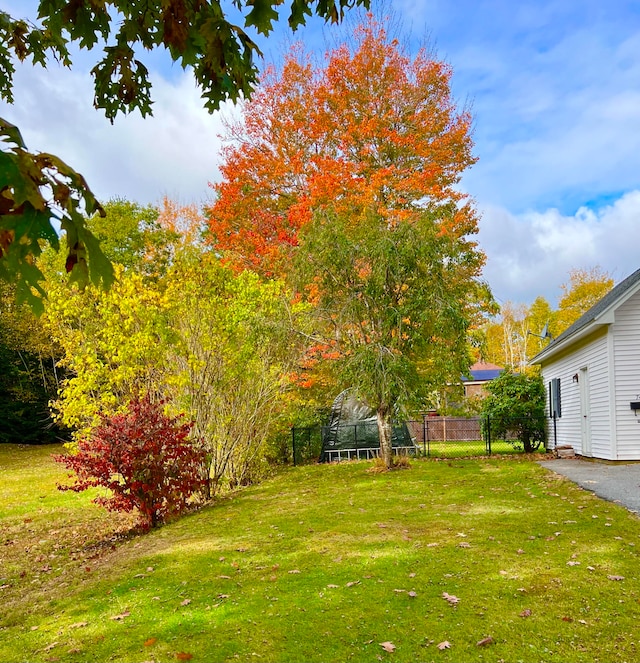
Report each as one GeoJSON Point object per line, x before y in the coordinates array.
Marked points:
{"type": "Point", "coordinates": [483, 372]}
{"type": "Point", "coordinates": [599, 314]}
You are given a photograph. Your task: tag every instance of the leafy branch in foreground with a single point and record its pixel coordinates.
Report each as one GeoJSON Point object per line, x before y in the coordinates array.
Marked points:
{"type": "Point", "coordinates": [37, 190]}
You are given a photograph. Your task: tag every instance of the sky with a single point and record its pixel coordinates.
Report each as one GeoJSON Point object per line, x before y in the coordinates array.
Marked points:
{"type": "Point", "coordinates": [554, 87]}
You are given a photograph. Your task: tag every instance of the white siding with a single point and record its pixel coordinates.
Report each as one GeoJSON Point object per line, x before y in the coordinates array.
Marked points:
{"type": "Point", "coordinates": [626, 344]}
{"type": "Point", "coordinates": [593, 355]}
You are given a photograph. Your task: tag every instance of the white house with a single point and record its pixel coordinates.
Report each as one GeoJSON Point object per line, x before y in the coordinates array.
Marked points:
{"type": "Point", "coordinates": [592, 373]}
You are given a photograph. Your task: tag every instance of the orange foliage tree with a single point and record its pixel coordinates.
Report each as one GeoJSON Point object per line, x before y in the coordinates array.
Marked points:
{"type": "Point", "coordinates": [374, 129]}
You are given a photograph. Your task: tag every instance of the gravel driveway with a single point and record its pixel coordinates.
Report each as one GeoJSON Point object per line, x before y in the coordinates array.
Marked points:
{"type": "Point", "coordinates": [616, 483]}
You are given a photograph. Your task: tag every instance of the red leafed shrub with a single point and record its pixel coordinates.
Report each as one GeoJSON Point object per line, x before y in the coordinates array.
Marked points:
{"type": "Point", "coordinates": [144, 458]}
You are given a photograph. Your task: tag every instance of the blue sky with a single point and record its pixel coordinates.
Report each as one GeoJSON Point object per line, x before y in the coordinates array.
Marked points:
{"type": "Point", "coordinates": [555, 91]}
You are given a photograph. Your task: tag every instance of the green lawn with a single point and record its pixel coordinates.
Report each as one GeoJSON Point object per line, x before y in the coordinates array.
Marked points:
{"type": "Point", "coordinates": [324, 563]}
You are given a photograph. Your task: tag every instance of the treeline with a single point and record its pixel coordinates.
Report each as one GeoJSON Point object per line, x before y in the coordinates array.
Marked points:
{"type": "Point", "coordinates": [513, 337]}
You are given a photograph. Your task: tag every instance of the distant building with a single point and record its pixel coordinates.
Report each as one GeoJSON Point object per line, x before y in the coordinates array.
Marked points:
{"type": "Point", "coordinates": [481, 373]}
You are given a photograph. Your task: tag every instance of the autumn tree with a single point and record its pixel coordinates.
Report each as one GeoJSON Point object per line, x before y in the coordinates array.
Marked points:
{"type": "Point", "coordinates": [584, 289]}
{"type": "Point", "coordinates": [373, 129]}
{"type": "Point", "coordinates": [38, 188]}
{"type": "Point", "coordinates": [351, 169]}
{"type": "Point", "coordinates": [513, 337]}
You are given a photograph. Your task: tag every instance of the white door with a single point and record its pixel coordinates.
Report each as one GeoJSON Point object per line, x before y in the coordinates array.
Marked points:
{"type": "Point", "coordinates": [585, 416]}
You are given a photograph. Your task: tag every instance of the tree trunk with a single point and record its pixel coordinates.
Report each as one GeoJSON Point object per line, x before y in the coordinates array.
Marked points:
{"type": "Point", "coordinates": [384, 431]}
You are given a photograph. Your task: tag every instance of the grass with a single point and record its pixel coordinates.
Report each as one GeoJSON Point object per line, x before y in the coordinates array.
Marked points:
{"type": "Point", "coordinates": [465, 448]}
{"type": "Point", "coordinates": [324, 563]}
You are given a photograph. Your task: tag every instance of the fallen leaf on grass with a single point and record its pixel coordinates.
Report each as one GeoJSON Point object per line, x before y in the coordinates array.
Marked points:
{"type": "Point", "coordinates": [225, 577]}
{"type": "Point", "coordinates": [78, 625]}
{"type": "Point", "coordinates": [615, 577]}
{"type": "Point", "coordinates": [294, 571]}
{"type": "Point", "coordinates": [412, 575]}
{"type": "Point", "coordinates": [573, 563]}
{"type": "Point", "coordinates": [121, 616]}
{"type": "Point", "coordinates": [453, 600]}
{"type": "Point", "coordinates": [464, 544]}
{"type": "Point", "coordinates": [184, 656]}
{"type": "Point", "coordinates": [185, 602]}
{"type": "Point", "coordinates": [150, 642]}
{"type": "Point", "coordinates": [567, 619]}
{"type": "Point", "coordinates": [444, 645]}
{"type": "Point", "coordinates": [412, 594]}
{"type": "Point", "coordinates": [388, 646]}
{"type": "Point", "coordinates": [352, 583]}
{"type": "Point", "coordinates": [333, 586]}
{"type": "Point", "coordinates": [525, 613]}
{"type": "Point", "coordinates": [484, 642]}
{"type": "Point", "coordinates": [223, 596]}
{"type": "Point", "coordinates": [50, 647]}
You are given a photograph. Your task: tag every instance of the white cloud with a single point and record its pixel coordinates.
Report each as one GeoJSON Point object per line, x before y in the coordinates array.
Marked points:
{"type": "Point", "coordinates": [531, 254]}
{"type": "Point", "coordinates": [176, 152]}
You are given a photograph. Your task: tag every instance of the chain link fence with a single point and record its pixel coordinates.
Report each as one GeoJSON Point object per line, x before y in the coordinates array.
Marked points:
{"type": "Point", "coordinates": [433, 437]}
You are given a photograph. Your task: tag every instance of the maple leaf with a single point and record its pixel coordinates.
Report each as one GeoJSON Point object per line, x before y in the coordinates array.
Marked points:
{"type": "Point", "coordinates": [150, 642]}
{"type": "Point", "coordinates": [485, 641]}
{"type": "Point", "coordinates": [444, 645]}
{"type": "Point", "coordinates": [388, 646]}
{"type": "Point", "coordinates": [453, 600]}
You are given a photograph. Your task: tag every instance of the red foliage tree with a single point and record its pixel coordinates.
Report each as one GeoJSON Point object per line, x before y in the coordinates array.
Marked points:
{"type": "Point", "coordinates": [144, 457]}
{"type": "Point", "coordinates": [373, 129]}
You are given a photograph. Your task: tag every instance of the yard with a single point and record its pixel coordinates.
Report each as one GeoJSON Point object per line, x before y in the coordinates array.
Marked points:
{"type": "Point", "coordinates": [459, 560]}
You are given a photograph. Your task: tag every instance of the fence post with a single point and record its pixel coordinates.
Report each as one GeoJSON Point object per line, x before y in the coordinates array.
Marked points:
{"type": "Point", "coordinates": [293, 444]}
{"type": "Point", "coordinates": [489, 435]}
{"type": "Point", "coordinates": [424, 434]}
